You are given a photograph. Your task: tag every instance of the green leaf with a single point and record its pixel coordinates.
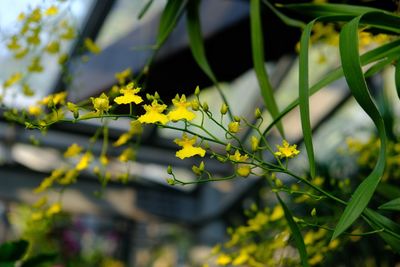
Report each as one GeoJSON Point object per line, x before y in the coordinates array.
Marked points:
{"type": "Point", "coordinates": [257, 45]}
{"type": "Point", "coordinates": [298, 238]}
{"type": "Point", "coordinates": [287, 20]}
{"type": "Point", "coordinates": [170, 16]}
{"type": "Point", "coordinates": [397, 77]}
{"type": "Point", "coordinates": [355, 79]}
{"type": "Point", "coordinates": [40, 260]}
{"type": "Point", "coordinates": [196, 43]}
{"type": "Point", "coordinates": [375, 18]}
{"type": "Point", "coordinates": [391, 205]}
{"type": "Point", "coordinates": [145, 8]}
{"type": "Point", "coordinates": [304, 96]}
{"type": "Point", "coordinates": [315, 10]}
{"type": "Point", "coordinates": [386, 50]}
{"type": "Point", "coordinates": [13, 251]}
{"type": "Point", "coordinates": [388, 191]}
{"type": "Point", "coordinates": [391, 230]}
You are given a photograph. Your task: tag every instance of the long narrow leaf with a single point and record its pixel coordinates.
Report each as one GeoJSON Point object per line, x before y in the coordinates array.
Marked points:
{"type": "Point", "coordinates": [257, 45]}
{"type": "Point", "coordinates": [391, 230]}
{"type": "Point", "coordinates": [287, 20]}
{"type": "Point", "coordinates": [391, 205]}
{"type": "Point", "coordinates": [196, 43]}
{"type": "Point", "coordinates": [145, 8]}
{"type": "Point", "coordinates": [355, 79]}
{"type": "Point", "coordinates": [375, 18]}
{"type": "Point", "coordinates": [397, 78]}
{"type": "Point", "coordinates": [298, 238]}
{"type": "Point", "coordinates": [304, 96]}
{"type": "Point", "coordinates": [370, 56]}
{"type": "Point", "coordinates": [170, 16]}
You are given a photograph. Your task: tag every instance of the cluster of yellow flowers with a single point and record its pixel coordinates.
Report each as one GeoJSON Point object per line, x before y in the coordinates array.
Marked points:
{"type": "Point", "coordinates": [264, 240]}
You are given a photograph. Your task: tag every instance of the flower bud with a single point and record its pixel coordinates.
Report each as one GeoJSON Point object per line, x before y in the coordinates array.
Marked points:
{"type": "Point", "coordinates": [197, 91]}
{"type": "Point", "coordinates": [205, 106]}
{"type": "Point", "coordinates": [313, 212]}
{"type": "Point", "coordinates": [149, 97]}
{"type": "Point", "coordinates": [228, 147]}
{"type": "Point", "coordinates": [257, 113]}
{"type": "Point", "coordinates": [224, 109]}
{"type": "Point", "coordinates": [233, 127]}
{"type": "Point", "coordinates": [156, 96]}
{"type": "Point", "coordinates": [169, 169]}
{"type": "Point", "coordinates": [254, 143]}
{"type": "Point", "coordinates": [195, 105]}
{"type": "Point", "coordinates": [170, 181]}
{"type": "Point", "coordinates": [236, 118]}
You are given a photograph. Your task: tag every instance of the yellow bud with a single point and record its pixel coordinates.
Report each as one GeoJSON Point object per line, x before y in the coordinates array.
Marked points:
{"type": "Point", "coordinates": [228, 147]}
{"type": "Point", "coordinates": [170, 181]}
{"type": "Point", "coordinates": [257, 113]}
{"type": "Point", "coordinates": [233, 127]}
{"type": "Point", "coordinates": [224, 109]}
{"type": "Point", "coordinates": [195, 105]}
{"type": "Point", "coordinates": [236, 118]}
{"type": "Point", "coordinates": [243, 171]}
{"type": "Point", "coordinates": [254, 143]}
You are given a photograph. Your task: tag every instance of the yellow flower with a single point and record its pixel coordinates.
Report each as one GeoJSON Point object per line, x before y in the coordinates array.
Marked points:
{"type": "Point", "coordinates": [237, 157]}
{"type": "Point", "coordinates": [51, 11]}
{"type": "Point", "coordinates": [53, 47]}
{"type": "Point", "coordinates": [72, 150]}
{"type": "Point", "coordinates": [254, 143]}
{"type": "Point", "coordinates": [14, 78]}
{"type": "Point", "coordinates": [48, 181]}
{"type": "Point", "coordinates": [180, 111]}
{"type": "Point", "coordinates": [136, 127]}
{"type": "Point", "coordinates": [53, 209]}
{"type": "Point", "coordinates": [188, 150]}
{"type": "Point", "coordinates": [91, 46]}
{"type": "Point", "coordinates": [84, 161]}
{"type": "Point", "coordinates": [35, 65]}
{"type": "Point", "coordinates": [34, 110]}
{"type": "Point", "coordinates": [123, 75]}
{"type": "Point", "coordinates": [127, 154]}
{"type": "Point", "coordinates": [123, 138]}
{"type": "Point", "coordinates": [14, 43]}
{"type": "Point", "coordinates": [37, 216]}
{"type": "Point", "coordinates": [101, 104]}
{"type": "Point", "coordinates": [233, 127]}
{"type": "Point", "coordinates": [129, 95]}
{"type": "Point", "coordinates": [40, 203]}
{"type": "Point", "coordinates": [59, 98]}
{"type": "Point", "coordinates": [286, 150]}
{"type": "Point", "coordinates": [154, 113]}
{"type": "Point", "coordinates": [241, 259]}
{"type": "Point", "coordinates": [69, 178]}
{"type": "Point", "coordinates": [277, 213]}
{"type": "Point", "coordinates": [243, 170]}
{"type": "Point", "coordinates": [104, 160]}
{"type": "Point", "coordinates": [223, 259]}
{"type": "Point", "coordinates": [27, 90]}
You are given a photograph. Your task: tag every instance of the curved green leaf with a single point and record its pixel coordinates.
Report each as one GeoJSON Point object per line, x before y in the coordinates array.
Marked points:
{"type": "Point", "coordinates": [376, 18]}
{"type": "Point", "coordinates": [391, 205]}
{"type": "Point", "coordinates": [170, 16]}
{"type": "Point", "coordinates": [40, 260]}
{"type": "Point", "coordinates": [257, 45]}
{"type": "Point", "coordinates": [298, 238]}
{"type": "Point", "coordinates": [386, 50]}
{"type": "Point", "coordinates": [304, 95]}
{"type": "Point", "coordinates": [397, 77]}
{"type": "Point", "coordinates": [145, 8]}
{"type": "Point", "coordinates": [287, 20]}
{"type": "Point", "coordinates": [355, 79]}
{"type": "Point", "coordinates": [391, 230]}
{"type": "Point", "coordinates": [197, 45]}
